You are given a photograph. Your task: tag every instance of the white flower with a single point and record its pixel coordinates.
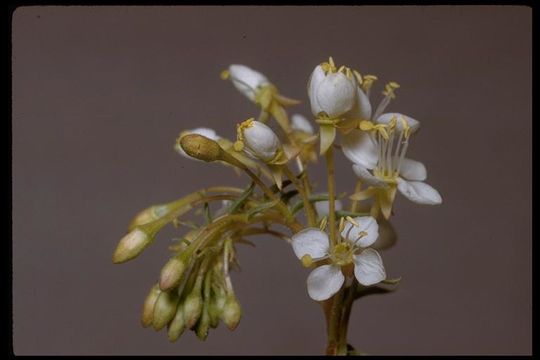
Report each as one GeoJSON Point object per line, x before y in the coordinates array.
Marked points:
{"type": "Point", "coordinates": [378, 153]}
{"type": "Point", "coordinates": [312, 244]}
{"type": "Point", "coordinates": [246, 80]}
{"type": "Point", "coordinates": [323, 207]}
{"type": "Point", "coordinates": [300, 123]}
{"type": "Point", "coordinates": [258, 140]}
{"type": "Point", "coordinates": [331, 92]}
{"type": "Point", "coordinates": [206, 132]}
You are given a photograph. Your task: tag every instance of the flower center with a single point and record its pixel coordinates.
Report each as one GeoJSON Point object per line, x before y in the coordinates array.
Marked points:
{"type": "Point", "coordinates": [342, 254]}
{"type": "Point", "coordinates": [392, 143]}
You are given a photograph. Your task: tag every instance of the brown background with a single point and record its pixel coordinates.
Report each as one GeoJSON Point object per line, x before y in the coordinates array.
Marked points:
{"type": "Point", "coordinates": [100, 93]}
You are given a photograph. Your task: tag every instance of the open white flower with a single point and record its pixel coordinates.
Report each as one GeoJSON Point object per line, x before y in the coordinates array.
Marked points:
{"type": "Point", "coordinates": [206, 132]}
{"type": "Point", "coordinates": [312, 244]}
{"type": "Point", "coordinates": [378, 153]}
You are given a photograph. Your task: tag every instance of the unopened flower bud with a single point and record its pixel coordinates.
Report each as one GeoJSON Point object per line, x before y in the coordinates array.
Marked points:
{"type": "Point", "coordinates": [331, 92]}
{"type": "Point", "coordinates": [203, 325]}
{"type": "Point", "coordinates": [131, 245]}
{"type": "Point", "coordinates": [171, 273]}
{"type": "Point", "coordinates": [193, 308]}
{"type": "Point", "coordinates": [245, 79]}
{"type": "Point", "coordinates": [148, 307]}
{"type": "Point", "coordinates": [206, 132]}
{"type": "Point", "coordinates": [164, 309]}
{"type": "Point", "coordinates": [148, 215]}
{"type": "Point", "coordinates": [201, 147]}
{"type": "Point", "coordinates": [231, 312]}
{"type": "Point", "coordinates": [178, 325]}
{"type": "Point", "coordinates": [258, 139]}
{"type": "Point", "coordinates": [300, 123]}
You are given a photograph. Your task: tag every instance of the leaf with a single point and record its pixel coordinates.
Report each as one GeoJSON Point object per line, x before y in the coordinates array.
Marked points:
{"type": "Point", "coordinates": [238, 202]}
{"type": "Point", "coordinates": [257, 209]}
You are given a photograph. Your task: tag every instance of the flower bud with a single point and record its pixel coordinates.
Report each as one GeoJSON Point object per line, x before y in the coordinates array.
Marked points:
{"type": "Point", "coordinates": [164, 309]}
{"type": "Point", "coordinates": [231, 312]}
{"type": "Point", "coordinates": [258, 140]}
{"type": "Point", "coordinates": [215, 308]}
{"type": "Point", "coordinates": [148, 307]}
{"type": "Point", "coordinates": [206, 132]}
{"type": "Point", "coordinates": [203, 325]}
{"type": "Point", "coordinates": [201, 147]}
{"type": "Point", "coordinates": [300, 123]}
{"type": "Point", "coordinates": [193, 308]}
{"type": "Point", "coordinates": [331, 92]}
{"type": "Point", "coordinates": [177, 326]}
{"type": "Point", "coordinates": [246, 80]}
{"type": "Point", "coordinates": [171, 273]}
{"type": "Point", "coordinates": [131, 245]}
{"type": "Point", "coordinates": [148, 215]}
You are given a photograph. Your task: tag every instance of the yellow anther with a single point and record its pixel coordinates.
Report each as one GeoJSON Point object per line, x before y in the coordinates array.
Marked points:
{"type": "Point", "coordinates": [358, 77]}
{"type": "Point", "coordinates": [366, 125]}
{"type": "Point", "coordinates": [225, 74]}
{"type": "Point", "coordinates": [238, 145]}
{"type": "Point", "coordinates": [361, 234]}
{"type": "Point", "coordinates": [341, 224]}
{"type": "Point", "coordinates": [331, 61]}
{"type": "Point", "coordinates": [323, 223]}
{"type": "Point", "coordinates": [389, 89]}
{"type": "Point", "coordinates": [406, 127]}
{"type": "Point", "coordinates": [307, 260]}
{"type": "Point", "coordinates": [342, 68]}
{"type": "Point", "coordinates": [370, 78]}
{"type": "Point", "coordinates": [352, 221]}
{"type": "Point", "coordinates": [393, 122]}
{"type": "Point", "coordinates": [242, 126]}
{"type": "Point", "coordinates": [383, 132]}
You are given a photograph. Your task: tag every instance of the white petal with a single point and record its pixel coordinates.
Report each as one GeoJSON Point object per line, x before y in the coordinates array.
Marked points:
{"type": "Point", "coordinates": [419, 192]}
{"type": "Point", "coordinates": [314, 80]}
{"type": "Point", "coordinates": [366, 224]}
{"type": "Point", "coordinates": [360, 148]}
{"type": "Point", "coordinates": [300, 123]}
{"type": "Point", "coordinates": [368, 268]}
{"type": "Point", "coordinates": [246, 80]}
{"type": "Point", "coordinates": [386, 118]}
{"type": "Point", "coordinates": [412, 170]}
{"type": "Point", "coordinates": [310, 241]}
{"type": "Point", "coordinates": [367, 177]}
{"type": "Point", "coordinates": [261, 140]}
{"type": "Point", "coordinates": [362, 107]}
{"type": "Point", "coordinates": [335, 94]}
{"type": "Point", "coordinates": [324, 281]}
{"type": "Point", "coordinates": [322, 207]}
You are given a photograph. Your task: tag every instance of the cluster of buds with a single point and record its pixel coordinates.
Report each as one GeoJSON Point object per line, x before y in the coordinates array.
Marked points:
{"type": "Point", "coordinates": [193, 292]}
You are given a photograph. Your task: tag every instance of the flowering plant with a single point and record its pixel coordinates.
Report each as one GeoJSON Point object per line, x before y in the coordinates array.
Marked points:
{"type": "Point", "coordinates": [195, 290]}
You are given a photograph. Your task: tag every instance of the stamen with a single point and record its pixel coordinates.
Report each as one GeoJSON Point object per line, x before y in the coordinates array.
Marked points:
{"type": "Point", "coordinates": [323, 223]}
{"type": "Point", "coordinates": [352, 221]}
{"type": "Point", "coordinates": [358, 77]}
{"type": "Point", "coordinates": [389, 94]}
{"type": "Point", "coordinates": [368, 83]}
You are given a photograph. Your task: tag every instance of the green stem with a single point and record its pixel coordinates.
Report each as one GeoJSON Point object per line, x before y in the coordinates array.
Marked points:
{"type": "Point", "coordinates": [331, 196]}
{"type": "Point", "coordinates": [345, 316]}
{"type": "Point", "coordinates": [310, 213]}
{"type": "Point", "coordinates": [334, 317]}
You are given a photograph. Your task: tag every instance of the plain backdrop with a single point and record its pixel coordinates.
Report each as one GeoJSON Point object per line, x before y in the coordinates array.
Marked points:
{"type": "Point", "coordinates": [100, 94]}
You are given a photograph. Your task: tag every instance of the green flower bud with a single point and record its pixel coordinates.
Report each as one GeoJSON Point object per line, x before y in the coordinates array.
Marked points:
{"type": "Point", "coordinates": [171, 273]}
{"type": "Point", "coordinates": [193, 308]}
{"type": "Point", "coordinates": [201, 147]}
{"type": "Point", "coordinates": [177, 325]}
{"type": "Point", "coordinates": [203, 325]}
{"type": "Point", "coordinates": [231, 312]}
{"type": "Point", "coordinates": [215, 308]}
{"type": "Point", "coordinates": [131, 245]}
{"type": "Point", "coordinates": [148, 307]}
{"type": "Point", "coordinates": [165, 309]}
{"type": "Point", "coordinates": [148, 215]}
